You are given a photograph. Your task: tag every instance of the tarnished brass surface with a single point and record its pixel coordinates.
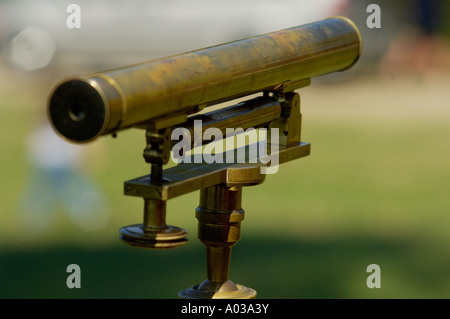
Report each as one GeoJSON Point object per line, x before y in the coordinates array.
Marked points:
{"type": "Point", "coordinates": [83, 108]}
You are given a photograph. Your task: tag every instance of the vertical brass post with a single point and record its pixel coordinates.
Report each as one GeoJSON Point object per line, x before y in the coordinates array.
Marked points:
{"type": "Point", "coordinates": [154, 214]}
{"type": "Point", "coordinates": [153, 232]}
{"type": "Point", "coordinates": [219, 222]}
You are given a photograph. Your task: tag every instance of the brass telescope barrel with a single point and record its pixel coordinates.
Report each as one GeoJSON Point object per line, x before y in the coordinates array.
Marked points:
{"type": "Point", "coordinates": [84, 108]}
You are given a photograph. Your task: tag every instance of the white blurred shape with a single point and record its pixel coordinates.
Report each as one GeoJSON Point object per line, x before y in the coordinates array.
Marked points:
{"type": "Point", "coordinates": [32, 49]}
{"type": "Point", "coordinates": [47, 150]}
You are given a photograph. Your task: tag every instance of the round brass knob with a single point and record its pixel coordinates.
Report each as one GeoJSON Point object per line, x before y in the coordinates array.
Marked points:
{"type": "Point", "coordinates": [153, 232]}
{"type": "Point", "coordinates": [140, 236]}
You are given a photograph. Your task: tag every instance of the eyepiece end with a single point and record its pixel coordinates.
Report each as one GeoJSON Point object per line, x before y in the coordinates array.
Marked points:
{"type": "Point", "coordinates": [77, 111]}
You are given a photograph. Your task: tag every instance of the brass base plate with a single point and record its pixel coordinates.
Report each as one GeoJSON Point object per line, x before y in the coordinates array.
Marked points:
{"type": "Point", "coordinates": [242, 292]}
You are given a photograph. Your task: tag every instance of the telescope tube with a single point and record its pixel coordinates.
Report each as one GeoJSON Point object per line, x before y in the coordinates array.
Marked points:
{"type": "Point", "coordinates": [84, 108]}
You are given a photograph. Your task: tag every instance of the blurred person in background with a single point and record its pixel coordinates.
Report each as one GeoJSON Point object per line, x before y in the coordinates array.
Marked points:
{"type": "Point", "coordinates": [419, 49]}
{"type": "Point", "coordinates": [58, 183]}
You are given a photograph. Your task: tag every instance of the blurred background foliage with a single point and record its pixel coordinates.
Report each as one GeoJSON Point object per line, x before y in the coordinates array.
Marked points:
{"type": "Point", "coordinates": [375, 189]}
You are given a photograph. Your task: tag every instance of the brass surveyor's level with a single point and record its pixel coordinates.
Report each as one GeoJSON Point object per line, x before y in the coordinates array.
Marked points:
{"type": "Point", "coordinates": [164, 94]}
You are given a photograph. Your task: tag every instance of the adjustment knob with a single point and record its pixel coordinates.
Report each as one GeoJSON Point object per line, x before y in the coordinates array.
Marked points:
{"type": "Point", "coordinates": [146, 237]}
{"type": "Point", "coordinates": [154, 233]}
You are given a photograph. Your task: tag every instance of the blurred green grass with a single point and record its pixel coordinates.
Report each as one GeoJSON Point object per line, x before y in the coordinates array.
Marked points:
{"type": "Point", "coordinates": [375, 189]}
